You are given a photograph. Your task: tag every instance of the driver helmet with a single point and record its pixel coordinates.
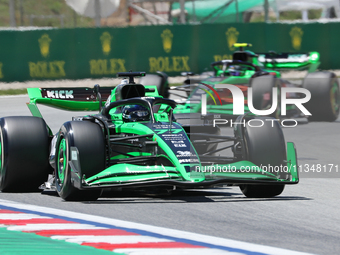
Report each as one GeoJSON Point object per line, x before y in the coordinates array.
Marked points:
{"type": "Point", "coordinates": [235, 70]}
{"type": "Point", "coordinates": [133, 113]}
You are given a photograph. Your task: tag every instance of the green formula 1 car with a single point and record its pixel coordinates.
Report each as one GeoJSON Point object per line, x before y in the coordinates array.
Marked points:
{"type": "Point", "coordinates": [134, 142]}
{"type": "Point", "coordinates": [260, 72]}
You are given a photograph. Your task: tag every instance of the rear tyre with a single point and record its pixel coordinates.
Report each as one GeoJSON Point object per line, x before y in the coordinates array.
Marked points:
{"type": "Point", "coordinates": [88, 138]}
{"type": "Point", "coordinates": [264, 146]}
{"type": "Point", "coordinates": [24, 153]}
{"type": "Point", "coordinates": [324, 104]}
{"type": "Point", "coordinates": [263, 93]}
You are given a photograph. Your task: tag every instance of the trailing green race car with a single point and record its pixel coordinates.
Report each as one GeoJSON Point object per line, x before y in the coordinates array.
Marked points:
{"type": "Point", "coordinates": [135, 142]}
{"type": "Point", "coordinates": [260, 72]}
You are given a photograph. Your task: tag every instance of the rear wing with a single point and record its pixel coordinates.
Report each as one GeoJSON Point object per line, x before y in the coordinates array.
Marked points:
{"type": "Point", "coordinates": [290, 61]}
{"type": "Point", "coordinates": [73, 99]}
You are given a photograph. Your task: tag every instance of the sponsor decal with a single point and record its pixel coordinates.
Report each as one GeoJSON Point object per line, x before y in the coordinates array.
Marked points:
{"type": "Point", "coordinates": [296, 34]}
{"type": "Point", "coordinates": [45, 69]}
{"type": "Point", "coordinates": [106, 42]}
{"type": "Point", "coordinates": [177, 141]}
{"type": "Point", "coordinates": [62, 94]}
{"type": "Point", "coordinates": [232, 36]}
{"type": "Point", "coordinates": [173, 131]}
{"type": "Point", "coordinates": [189, 160]}
{"type": "Point", "coordinates": [179, 145]}
{"type": "Point", "coordinates": [107, 66]}
{"type": "Point", "coordinates": [222, 57]}
{"type": "Point", "coordinates": [169, 64]}
{"type": "Point", "coordinates": [44, 44]}
{"type": "Point", "coordinates": [167, 40]}
{"type": "Point", "coordinates": [185, 154]}
{"type": "Point", "coordinates": [172, 137]}
{"type": "Point", "coordinates": [163, 126]}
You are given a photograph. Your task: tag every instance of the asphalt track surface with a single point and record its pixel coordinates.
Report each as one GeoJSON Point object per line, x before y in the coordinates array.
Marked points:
{"type": "Point", "coordinates": [304, 218]}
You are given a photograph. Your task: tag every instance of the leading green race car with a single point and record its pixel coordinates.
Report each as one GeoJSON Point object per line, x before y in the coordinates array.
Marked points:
{"type": "Point", "coordinates": [260, 72]}
{"type": "Point", "coordinates": [134, 142]}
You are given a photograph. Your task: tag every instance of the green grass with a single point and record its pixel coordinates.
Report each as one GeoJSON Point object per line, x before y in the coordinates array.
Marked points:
{"type": "Point", "coordinates": [7, 92]}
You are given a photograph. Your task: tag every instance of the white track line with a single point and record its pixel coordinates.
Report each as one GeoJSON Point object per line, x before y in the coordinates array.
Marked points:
{"type": "Point", "coordinates": [111, 239]}
{"type": "Point", "coordinates": [37, 227]}
{"type": "Point", "coordinates": [21, 216]}
{"type": "Point", "coordinates": [177, 251]}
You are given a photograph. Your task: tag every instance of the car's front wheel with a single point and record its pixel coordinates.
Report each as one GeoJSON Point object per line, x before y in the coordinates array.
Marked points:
{"type": "Point", "coordinates": [265, 146]}
{"type": "Point", "coordinates": [88, 138]}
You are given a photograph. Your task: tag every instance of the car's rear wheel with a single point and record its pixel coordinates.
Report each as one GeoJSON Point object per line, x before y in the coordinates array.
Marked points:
{"type": "Point", "coordinates": [88, 138]}
{"type": "Point", "coordinates": [24, 153]}
{"type": "Point", "coordinates": [262, 88]}
{"type": "Point", "coordinates": [265, 146]}
{"type": "Point", "coordinates": [324, 104]}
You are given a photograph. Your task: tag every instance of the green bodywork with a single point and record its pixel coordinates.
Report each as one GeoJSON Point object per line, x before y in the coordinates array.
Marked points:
{"type": "Point", "coordinates": [180, 172]}
{"type": "Point", "coordinates": [240, 73]}
{"type": "Point", "coordinates": [273, 61]}
{"type": "Point", "coordinates": [309, 61]}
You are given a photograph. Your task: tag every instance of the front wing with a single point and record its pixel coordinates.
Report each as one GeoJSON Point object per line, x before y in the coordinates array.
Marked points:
{"type": "Point", "coordinates": [240, 172]}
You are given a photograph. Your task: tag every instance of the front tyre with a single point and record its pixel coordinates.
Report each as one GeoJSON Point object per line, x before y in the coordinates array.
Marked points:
{"type": "Point", "coordinates": [88, 138]}
{"type": "Point", "coordinates": [264, 146]}
{"type": "Point", "coordinates": [261, 191]}
{"type": "Point", "coordinates": [324, 104]}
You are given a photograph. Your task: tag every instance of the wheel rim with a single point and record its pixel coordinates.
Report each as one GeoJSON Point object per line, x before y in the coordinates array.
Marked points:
{"type": "Point", "coordinates": [61, 161]}
{"type": "Point", "coordinates": [335, 98]}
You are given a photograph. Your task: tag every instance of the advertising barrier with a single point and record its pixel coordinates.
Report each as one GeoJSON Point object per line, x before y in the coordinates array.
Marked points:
{"type": "Point", "coordinates": [102, 52]}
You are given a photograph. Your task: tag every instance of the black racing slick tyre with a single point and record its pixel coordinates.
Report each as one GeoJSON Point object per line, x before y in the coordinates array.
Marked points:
{"type": "Point", "coordinates": [262, 88]}
{"type": "Point", "coordinates": [24, 153]}
{"type": "Point", "coordinates": [88, 138]}
{"type": "Point", "coordinates": [264, 146]}
{"type": "Point", "coordinates": [324, 104]}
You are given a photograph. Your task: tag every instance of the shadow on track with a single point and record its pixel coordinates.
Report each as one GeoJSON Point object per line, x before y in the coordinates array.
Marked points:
{"type": "Point", "coordinates": [217, 195]}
